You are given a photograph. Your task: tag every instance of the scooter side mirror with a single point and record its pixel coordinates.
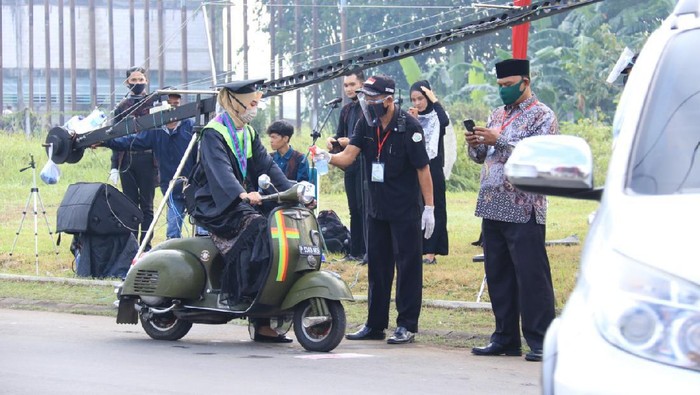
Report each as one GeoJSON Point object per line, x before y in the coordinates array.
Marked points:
{"type": "Point", "coordinates": [264, 181]}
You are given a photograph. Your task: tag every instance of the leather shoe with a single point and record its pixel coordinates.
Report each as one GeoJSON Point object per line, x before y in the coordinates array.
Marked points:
{"type": "Point", "coordinates": [271, 339]}
{"type": "Point", "coordinates": [366, 333]}
{"type": "Point", "coordinates": [497, 349]}
{"type": "Point", "coordinates": [401, 336]}
{"type": "Point", "coordinates": [535, 355]}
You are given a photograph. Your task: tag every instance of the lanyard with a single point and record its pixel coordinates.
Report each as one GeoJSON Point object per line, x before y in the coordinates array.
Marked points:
{"type": "Point", "coordinates": [240, 151]}
{"type": "Point", "coordinates": [507, 122]}
{"type": "Point", "coordinates": [380, 142]}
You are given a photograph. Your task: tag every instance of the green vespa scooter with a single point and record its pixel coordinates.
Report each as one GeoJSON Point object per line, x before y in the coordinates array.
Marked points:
{"type": "Point", "coordinates": [178, 282]}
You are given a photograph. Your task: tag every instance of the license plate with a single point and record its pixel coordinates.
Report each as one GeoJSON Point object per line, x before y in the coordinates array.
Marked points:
{"type": "Point", "coordinates": [309, 250]}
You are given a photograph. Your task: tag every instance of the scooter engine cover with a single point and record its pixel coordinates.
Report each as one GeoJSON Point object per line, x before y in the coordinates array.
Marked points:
{"type": "Point", "coordinates": [167, 273]}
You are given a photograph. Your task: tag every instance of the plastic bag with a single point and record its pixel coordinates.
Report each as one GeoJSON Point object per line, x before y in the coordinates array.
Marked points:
{"type": "Point", "coordinates": [50, 174]}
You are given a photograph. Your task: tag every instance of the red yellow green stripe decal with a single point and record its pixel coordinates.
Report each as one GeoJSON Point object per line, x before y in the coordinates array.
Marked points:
{"type": "Point", "coordinates": [282, 233]}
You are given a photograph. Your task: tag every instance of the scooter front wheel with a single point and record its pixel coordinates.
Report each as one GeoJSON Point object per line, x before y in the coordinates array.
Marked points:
{"type": "Point", "coordinates": [319, 324]}
{"type": "Point", "coordinates": [164, 326]}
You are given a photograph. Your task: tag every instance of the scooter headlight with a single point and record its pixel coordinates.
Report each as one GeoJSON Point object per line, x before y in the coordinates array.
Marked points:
{"type": "Point", "coordinates": [645, 311]}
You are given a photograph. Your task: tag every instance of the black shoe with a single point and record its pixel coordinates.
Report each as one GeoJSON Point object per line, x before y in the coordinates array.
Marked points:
{"type": "Point", "coordinates": [497, 349]}
{"type": "Point", "coordinates": [271, 339]}
{"type": "Point", "coordinates": [401, 336]}
{"type": "Point", "coordinates": [535, 355]}
{"type": "Point", "coordinates": [366, 333]}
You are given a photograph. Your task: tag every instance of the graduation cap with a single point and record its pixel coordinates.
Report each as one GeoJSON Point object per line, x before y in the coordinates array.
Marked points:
{"type": "Point", "coordinates": [242, 87]}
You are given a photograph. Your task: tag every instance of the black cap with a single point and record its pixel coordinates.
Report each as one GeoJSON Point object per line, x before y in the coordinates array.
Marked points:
{"type": "Point", "coordinates": [511, 67]}
{"type": "Point", "coordinates": [245, 86]}
{"type": "Point", "coordinates": [378, 85]}
{"type": "Point", "coordinates": [169, 88]}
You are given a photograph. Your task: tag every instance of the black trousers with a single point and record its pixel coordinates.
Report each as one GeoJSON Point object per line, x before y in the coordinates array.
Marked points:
{"type": "Point", "coordinates": [138, 175]}
{"type": "Point", "coordinates": [394, 245]}
{"type": "Point", "coordinates": [519, 281]}
{"type": "Point", "coordinates": [353, 190]}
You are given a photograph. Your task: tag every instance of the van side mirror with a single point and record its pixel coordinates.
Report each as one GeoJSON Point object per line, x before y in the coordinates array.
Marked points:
{"type": "Point", "coordinates": [556, 165]}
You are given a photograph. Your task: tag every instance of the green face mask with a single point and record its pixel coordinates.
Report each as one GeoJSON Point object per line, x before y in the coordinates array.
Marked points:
{"type": "Point", "coordinates": [510, 94]}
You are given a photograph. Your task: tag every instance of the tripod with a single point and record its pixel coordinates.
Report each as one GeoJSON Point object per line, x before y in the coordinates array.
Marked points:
{"type": "Point", "coordinates": [34, 192]}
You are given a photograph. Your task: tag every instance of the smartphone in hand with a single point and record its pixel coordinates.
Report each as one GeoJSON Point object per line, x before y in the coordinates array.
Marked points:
{"type": "Point", "coordinates": [469, 125]}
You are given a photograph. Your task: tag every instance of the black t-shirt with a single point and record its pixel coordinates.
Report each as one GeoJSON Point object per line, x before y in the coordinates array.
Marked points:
{"type": "Point", "coordinates": [399, 196]}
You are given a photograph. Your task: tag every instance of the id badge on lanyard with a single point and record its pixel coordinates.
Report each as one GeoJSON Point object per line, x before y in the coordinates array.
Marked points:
{"type": "Point", "coordinates": [378, 165]}
{"type": "Point", "coordinates": [377, 172]}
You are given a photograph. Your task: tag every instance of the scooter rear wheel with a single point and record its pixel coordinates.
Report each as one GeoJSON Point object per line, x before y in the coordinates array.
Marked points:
{"type": "Point", "coordinates": [317, 330]}
{"type": "Point", "coordinates": [164, 326]}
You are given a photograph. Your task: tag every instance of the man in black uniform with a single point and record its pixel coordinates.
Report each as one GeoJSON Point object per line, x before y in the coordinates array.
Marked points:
{"type": "Point", "coordinates": [225, 181]}
{"type": "Point", "coordinates": [397, 163]}
{"type": "Point", "coordinates": [137, 169]}
{"type": "Point", "coordinates": [354, 174]}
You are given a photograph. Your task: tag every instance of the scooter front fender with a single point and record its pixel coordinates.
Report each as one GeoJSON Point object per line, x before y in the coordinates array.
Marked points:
{"type": "Point", "coordinates": [317, 284]}
{"type": "Point", "coordinates": [166, 273]}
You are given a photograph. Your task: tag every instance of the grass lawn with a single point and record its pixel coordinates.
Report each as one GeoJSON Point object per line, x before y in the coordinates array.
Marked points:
{"type": "Point", "coordinates": [455, 277]}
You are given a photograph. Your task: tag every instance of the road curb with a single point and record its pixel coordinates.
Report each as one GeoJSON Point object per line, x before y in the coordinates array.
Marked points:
{"type": "Point", "coordinates": [444, 304]}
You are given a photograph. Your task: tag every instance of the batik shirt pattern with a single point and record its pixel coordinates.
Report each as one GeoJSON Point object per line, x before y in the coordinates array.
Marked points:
{"type": "Point", "coordinates": [498, 199]}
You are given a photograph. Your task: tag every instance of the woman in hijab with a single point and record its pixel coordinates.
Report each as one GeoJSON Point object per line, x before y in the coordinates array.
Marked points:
{"type": "Point", "coordinates": [434, 120]}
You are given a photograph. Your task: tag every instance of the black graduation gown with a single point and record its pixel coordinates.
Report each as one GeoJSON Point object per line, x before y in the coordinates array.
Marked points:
{"type": "Point", "coordinates": [218, 183]}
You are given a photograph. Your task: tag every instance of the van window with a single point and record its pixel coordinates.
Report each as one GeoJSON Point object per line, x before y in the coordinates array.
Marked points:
{"type": "Point", "coordinates": [666, 153]}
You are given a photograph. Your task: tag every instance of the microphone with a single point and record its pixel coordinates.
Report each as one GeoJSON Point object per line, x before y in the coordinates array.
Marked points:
{"type": "Point", "coordinates": [333, 102]}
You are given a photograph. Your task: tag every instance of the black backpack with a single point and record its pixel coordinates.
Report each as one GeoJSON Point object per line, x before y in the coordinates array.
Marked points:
{"type": "Point", "coordinates": [335, 234]}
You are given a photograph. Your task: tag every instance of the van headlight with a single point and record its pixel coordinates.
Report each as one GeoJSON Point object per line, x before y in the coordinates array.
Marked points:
{"type": "Point", "coordinates": [645, 311]}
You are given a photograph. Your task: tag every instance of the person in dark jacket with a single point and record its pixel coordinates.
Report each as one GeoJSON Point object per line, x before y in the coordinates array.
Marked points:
{"type": "Point", "coordinates": [226, 191]}
{"type": "Point", "coordinates": [433, 118]}
{"type": "Point", "coordinates": [354, 176]}
{"type": "Point", "coordinates": [137, 169]}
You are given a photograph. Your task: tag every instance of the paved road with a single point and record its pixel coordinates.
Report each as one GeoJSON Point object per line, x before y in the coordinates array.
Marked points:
{"type": "Point", "coordinates": [57, 353]}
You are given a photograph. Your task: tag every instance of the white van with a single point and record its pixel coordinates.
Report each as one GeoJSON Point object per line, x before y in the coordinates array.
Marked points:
{"type": "Point", "coordinates": [632, 324]}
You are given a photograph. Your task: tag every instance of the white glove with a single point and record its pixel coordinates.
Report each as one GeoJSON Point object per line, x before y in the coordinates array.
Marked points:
{"type": "Point", "coordinates": [320, 154]}
{"type": "Point", "coordinates": [114, 176]}
{"type": "Point", "coordinates": [427, 222]}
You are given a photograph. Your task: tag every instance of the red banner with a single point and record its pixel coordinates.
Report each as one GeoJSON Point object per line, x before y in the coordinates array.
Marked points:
{"type": "Point", "coordinates": [520, 33]}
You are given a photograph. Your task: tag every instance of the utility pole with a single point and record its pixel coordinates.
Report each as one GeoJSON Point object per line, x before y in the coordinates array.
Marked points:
{"type": "Point", "coordinates": [245, 39]}
{"type": "Point", "coordinates": [110, 22]}
{"type": "Point", "coordinates": [93, 53]}
{"type": "Point", "coordinates": [520, 34]}
{"type": "Point", "coordinates": [183, 23]}
{"type": "Point", "coordinates": [297, 51]}
{"type": "Point", "coordinates": [343, 39]}
{"type": "Point", "coordinates": [273, 37]}
{"type": "Point", "coordinates": [47, 61]}
{"type": "Point", "coordinates": [61, 66]}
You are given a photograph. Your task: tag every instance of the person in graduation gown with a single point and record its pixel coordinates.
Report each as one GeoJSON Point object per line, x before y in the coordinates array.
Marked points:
{"type": "Point", "coordinates": [226, 195]}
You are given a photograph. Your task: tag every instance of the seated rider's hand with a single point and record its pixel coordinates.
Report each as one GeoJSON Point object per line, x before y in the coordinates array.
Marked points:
{"type": "Point", "coordinates": [254, 198]}
{"type": "Point", "coordinates": [311, 205]}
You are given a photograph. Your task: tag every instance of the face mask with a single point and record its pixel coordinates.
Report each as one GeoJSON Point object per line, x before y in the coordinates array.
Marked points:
{"type": "Point", "coordinates": [510, 94]}
{"type": "Point", "coordinates": [377, 109]}
{"type": "Point", "coordinates": [137, 89]}
{"type": "Point", "coordinates": [248, 115]}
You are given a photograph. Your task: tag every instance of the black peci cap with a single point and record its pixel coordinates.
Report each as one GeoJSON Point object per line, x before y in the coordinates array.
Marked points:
{"type": "Point", "coordinates": [245, 86]}
{"type": "Point", "coordinates": [511, 67]}
{"type": "Point", "coordinates": [378, 85]}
